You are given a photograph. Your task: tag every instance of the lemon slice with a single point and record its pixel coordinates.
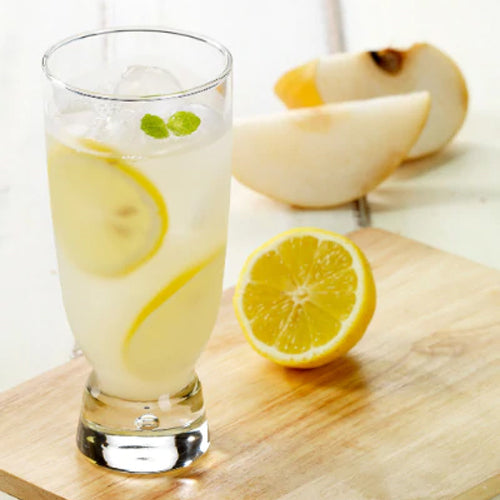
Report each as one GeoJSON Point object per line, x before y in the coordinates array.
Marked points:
{"type": "Point", "coordinates": [305, 297]}
{"type": "Point", "coordinates": [108, 217]}
{"type": "Point", "coordinates": [169, 333]}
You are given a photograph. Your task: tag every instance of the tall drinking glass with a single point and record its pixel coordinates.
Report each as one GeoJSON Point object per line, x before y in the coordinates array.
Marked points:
{"type": "Point", "coordinates": [138, 126]}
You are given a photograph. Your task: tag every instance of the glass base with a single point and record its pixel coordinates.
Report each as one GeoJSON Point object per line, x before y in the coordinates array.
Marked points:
{"type": "Point", "coordinates": [143, 437]}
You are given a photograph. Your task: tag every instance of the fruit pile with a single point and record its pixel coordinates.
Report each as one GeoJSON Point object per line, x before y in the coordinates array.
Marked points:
{"type": "Point", "coordinates": [307, 296]}
{"type": "Point", "coordinates": [352, 120]}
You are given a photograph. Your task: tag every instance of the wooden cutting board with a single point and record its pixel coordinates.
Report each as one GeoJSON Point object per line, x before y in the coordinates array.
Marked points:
{"type": "Point", "coordinates": [413, 412]}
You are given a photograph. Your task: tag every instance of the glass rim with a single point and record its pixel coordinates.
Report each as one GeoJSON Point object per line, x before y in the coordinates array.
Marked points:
{"type": "Point", "coordinates": [214, 82]}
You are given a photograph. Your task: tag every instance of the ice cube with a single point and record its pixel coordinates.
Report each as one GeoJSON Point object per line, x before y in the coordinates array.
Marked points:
{"type": "Point", "coordinates": [120, 128]}
{"type": "Point", "coordinates": [117, 123]}
{"type": "Point", "coordinates": [147, 81]}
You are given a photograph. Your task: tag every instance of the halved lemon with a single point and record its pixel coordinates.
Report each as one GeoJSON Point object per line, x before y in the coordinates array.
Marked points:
{"type": "Point", "coordinates": [305, 297]}
{"type": "Point", "coordinates": [108, 217]}
{"type": "Point", "coordinates": [170, 331]}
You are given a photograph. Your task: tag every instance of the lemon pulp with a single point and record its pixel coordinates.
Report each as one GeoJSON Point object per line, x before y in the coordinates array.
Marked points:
{"type": "Point", "coordinates": [305, 297]}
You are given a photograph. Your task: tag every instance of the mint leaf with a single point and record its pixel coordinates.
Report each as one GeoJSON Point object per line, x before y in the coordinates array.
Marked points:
{"type": "Point", "coordinates": [154, 126]}
{"type": "Point", "coordinates": [183, 123]}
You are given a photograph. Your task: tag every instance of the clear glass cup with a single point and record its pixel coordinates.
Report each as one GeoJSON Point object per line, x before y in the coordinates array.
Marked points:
{"type": "Point", "coordinates": [138, 127]}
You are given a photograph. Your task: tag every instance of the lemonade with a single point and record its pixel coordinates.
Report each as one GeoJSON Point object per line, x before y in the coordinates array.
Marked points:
{"type": "Point", "coordinates": [138, 131]}
{"type": "Point", "coordinates": [141, 295]}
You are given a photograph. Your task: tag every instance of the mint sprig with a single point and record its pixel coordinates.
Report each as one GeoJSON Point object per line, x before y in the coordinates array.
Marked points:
{"type": "Point", "coordinates": [154, 126]}
{"type": "Point", "coordinates": [183, 123]}
{"type": "Point", "coordinates": [180, 124]}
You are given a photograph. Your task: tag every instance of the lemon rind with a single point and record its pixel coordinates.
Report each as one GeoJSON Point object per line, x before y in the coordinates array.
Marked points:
{"type": "Point", "coordinates": [165, 293]}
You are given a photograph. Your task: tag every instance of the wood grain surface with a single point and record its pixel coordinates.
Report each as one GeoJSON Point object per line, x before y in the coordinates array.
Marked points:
{"type": "Point", "coordinates": [411, 413]}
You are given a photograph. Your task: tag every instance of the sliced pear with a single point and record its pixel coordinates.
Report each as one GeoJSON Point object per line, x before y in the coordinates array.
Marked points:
{"type": "Point", "coordinates": [330, 154]}
{"type": "Point", "coordinates": [346, 77]}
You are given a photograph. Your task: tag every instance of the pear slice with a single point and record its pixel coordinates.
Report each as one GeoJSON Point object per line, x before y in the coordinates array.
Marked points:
{"type": "Point", "coordinates": [327, 155]}
{"type": "Point", "coordinates": [363, 75]}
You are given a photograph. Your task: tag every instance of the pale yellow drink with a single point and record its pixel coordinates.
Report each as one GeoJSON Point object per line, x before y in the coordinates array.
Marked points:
{"type": "Point", "coordinates": [138, 124]}
{"type": "Point", "coordinates": [141, 242]}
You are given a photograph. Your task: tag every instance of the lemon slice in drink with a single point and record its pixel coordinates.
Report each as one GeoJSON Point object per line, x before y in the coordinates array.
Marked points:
{"type": "Point", "coordinates": [305, 297]}
{"type": "Point", "coordinates": [108, 217]}
{"type": "Point", "coordinates": [170, 331]}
